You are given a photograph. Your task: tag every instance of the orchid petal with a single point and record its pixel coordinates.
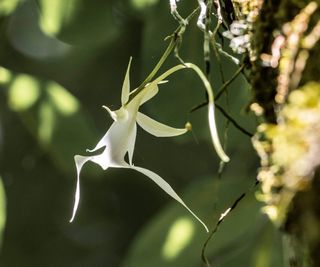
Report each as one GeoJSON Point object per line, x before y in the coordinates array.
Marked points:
{"type": "Point", "coordinates": [119, 139]}
{"type": "Point", "coordinates": [156, 128]}
{"type": "Point", "coordinates": [148, 92]}
{"type": "Point", "coordinates": [161, 82]}
{"type": "Point", "coordinates": [112, 114]}
{"type": "Point", "coordinates": [103, 142]}
{"type": "Point", "coordinates": [80, 161]}
{"type": "Point", "coordinates": [126, 85]}
{"type": "Point", "coordinates": [167, 188]}
{"type": "Point", "coordinates": [103, 160]}
{"type": "Point", "coordinates": [131, 142]}
{"type": "Point", "coordinates": [151, 90]}
{"type": "Point", "coordinates": [116, 138]}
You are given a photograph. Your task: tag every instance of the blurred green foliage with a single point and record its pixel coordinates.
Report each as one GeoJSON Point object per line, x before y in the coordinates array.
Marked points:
{"type": "Point", "coordinates": [60, 62]}
{"type": "Point", "coordinates": [251, 241]}
{"type": "Point", "coordinates": [48, 111]}
{"type": "Point", "coordinates": [8, 6]}
{"type": "Point", "coordinates": [79, 22]}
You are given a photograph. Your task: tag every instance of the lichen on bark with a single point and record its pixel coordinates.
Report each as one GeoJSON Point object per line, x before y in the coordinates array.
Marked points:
{"type": "Point", "coordinates": [284, 74]}
{"type": "Point", "coordinates": [289, 151]}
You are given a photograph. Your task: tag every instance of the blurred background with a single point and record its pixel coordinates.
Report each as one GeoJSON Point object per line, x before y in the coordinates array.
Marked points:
{"type": "Point", "coordinates": [60, 61]}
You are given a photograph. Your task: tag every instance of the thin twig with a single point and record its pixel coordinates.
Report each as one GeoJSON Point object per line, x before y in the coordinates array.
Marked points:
{"type": "Point", "coordinates": [173, 7]}
{"type": "Point", "coordinates": [221, 89]}
{"type": "Point", "coordinates": [227, 83]}
{"type": "Point", "coordinates": [224, 53]}
{"type": "Point", "coordinates": [215, 229]}
{"type": "Point", "coordinates": [206, 43]}
{"type": "Point", "coordinates": [221, 219]}
{"type": "Point", "coordinates": [181, 31]}
{"type": "Point", "coordinates": [233, 121]}
{"type": "Point", "coordinates": [227, 115]}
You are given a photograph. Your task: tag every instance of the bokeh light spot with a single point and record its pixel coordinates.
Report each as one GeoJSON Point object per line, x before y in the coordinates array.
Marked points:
{"type": "Point", "coordinates": [23, 93]}
{"type": "Point", "coordinates": [65, 103]}
{"type": "Point", "coordinates": [5, 76]}
{"type": "Point", "coordinates": [8, 6]}
{"type": "Point", "coordinates": [46, 122]}
{"type": "Point", "coordinates": [179, 237]}
{"type": "Point", "coordinates": [141, 4]}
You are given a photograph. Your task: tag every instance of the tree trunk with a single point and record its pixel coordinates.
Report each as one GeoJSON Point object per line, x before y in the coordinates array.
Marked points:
{"type": "Point", "coordinates": [284, 58]}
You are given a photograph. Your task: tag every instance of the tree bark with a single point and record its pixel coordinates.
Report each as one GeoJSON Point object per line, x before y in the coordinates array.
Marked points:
{"type": "Point", "coordinates": [284, 57]}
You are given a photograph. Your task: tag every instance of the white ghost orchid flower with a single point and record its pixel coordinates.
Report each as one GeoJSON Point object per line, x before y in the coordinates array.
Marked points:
{"type": "Point", "coordinates": [120, 138]}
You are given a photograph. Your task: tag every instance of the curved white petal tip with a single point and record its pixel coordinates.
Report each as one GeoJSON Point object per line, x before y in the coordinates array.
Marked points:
{"type": "Point", "coordinates": [156, 128]}
{"type": "Point", "coordinates": [168, 189]}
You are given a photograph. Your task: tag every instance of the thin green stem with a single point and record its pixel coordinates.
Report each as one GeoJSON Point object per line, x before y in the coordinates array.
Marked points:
{"type": "Point", "coordinates": [166, 53]}
{"type": "Point", "coordinates": [229, 118]}
{"type": "Point", "coordinates": [174, 41]}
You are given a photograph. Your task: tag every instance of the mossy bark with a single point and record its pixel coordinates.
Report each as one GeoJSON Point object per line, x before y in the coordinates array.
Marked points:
{"type": "Point", "coordinates": [301, 217]}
